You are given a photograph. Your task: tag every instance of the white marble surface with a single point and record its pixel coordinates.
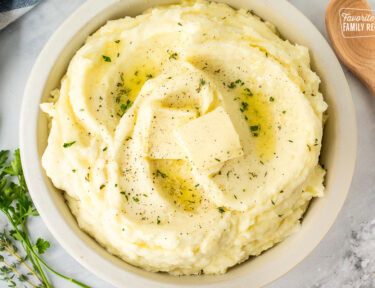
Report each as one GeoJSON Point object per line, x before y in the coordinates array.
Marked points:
{"type": "Point", "coordinates": [346, 256]}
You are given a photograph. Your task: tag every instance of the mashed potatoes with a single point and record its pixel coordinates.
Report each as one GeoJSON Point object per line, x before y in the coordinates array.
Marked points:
{"type": "Point", "coordinates": [188, 138]}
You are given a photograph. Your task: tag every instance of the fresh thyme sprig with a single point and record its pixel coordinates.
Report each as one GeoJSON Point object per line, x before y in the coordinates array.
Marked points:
{"type": "Point", "coordinates": [7, 246]}
{"type": "Point", "coordinates": [16, 205]}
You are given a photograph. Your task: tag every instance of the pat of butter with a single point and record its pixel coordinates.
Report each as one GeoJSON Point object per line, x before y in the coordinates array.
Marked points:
{"type": "Point", "coordinates": [210, 140]}
{"type": "Point", "coordinates": [162, 142]}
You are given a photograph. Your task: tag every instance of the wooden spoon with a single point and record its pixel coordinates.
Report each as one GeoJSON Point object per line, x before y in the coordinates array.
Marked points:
{"type": "Point", "coordinates": [357, 53]}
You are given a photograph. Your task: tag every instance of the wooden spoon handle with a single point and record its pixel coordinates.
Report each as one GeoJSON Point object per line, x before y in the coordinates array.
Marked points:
{"type": "Point", "coordinates": [357, 53]}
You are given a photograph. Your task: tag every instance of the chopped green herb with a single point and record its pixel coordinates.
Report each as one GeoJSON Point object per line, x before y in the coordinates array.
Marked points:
{"type": "Point", "coordinates": [102, 186]}
{"type": "Point", "coordinates": [272, 99]}
{"type": "Point", "coordinates": [158, 220]}
{"type": "Point", "coordinates": [254, 128]}
{"type": "Point", "coordinates": [125, 107]}
{"type": "Point", "coordinates": [159, 173]}
{"type": "Point", "coordinates": [201, 83]}
{"type": "Point", "coordinates": [239, 81]}
{"type": "Point", "coordinates": [248, 92]}
{"type": "Point", "coordinates": [105, 148]}
{"type": "Point", "coordinates": [74, 170]}
{"type": "Point", "coordinates": [218, 160]}
{"type": "Point", "coordinates": [179, 23]}
{"type": "Point", "coordinates": [117, 41]}
{"type": "Point", "coordinates": [68, 144]}
{"type": "Point", "coordinates": [221, 209]}
{"type": "Point", "coordinates": [244, 106]}
{"type": "Point", "coordinates": [280, 215]}
{"type": "Point", "coordinates": [149, 76]}
{"type": "Point", "coordinates": [173, 56]}
{"type": "Point", "coordinates": [126, 196]}
{"type": "Point", "coordinates": [135, 199]}
{"type": "Point", "coordinates": [273, 203]}
{"type": "Point", "coordinates": [106, 58]}
{"type": "Point", "coordinates": [232, 85]}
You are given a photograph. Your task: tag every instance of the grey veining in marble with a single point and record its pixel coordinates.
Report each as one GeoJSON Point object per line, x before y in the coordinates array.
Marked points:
{"type": "Point", "coordinates": [346, 256]}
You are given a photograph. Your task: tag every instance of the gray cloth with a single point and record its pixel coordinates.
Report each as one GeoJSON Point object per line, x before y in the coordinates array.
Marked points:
{"type": "Point", "coordinates": [10, 10]}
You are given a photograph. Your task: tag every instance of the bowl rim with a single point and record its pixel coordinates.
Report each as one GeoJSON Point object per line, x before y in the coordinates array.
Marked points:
{"type": "Point", "coordinates": [54, 221]}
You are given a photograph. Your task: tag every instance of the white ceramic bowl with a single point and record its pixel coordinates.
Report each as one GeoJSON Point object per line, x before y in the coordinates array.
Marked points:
{"type": "Point", "coordinates": [338, 155]}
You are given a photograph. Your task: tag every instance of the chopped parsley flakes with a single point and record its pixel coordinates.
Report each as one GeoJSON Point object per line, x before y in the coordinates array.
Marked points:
{"type": "Point", "coordinates": [68, 144]}
{"type": "Point", "coordinates": [232, 85]}
{"type": "Point", "coordinates": [202, 82]}
{"type": "Point", "coordinates": [159, 173]}
{"type": "Point", "coordinates": [244, 106]}
{"type": "Point", "coordinates": [254, 128]}
{"type": "Point", "coordinates": [126, 196]}
{"type": "Point", "coordinates": [248, 92]}
{"type": "Point", "coordinates": [173, 56]}
{"type": "Point", "coordinates": [106, 58]}
{"type": "Point", "coordinates": [126, 106]}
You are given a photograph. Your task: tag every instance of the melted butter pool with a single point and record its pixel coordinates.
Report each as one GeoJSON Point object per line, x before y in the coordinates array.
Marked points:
{"type": "Point", "coordinates": [176, 182]}
{"type": "Point", "coordinates": [129, 84]}
{"type": "Point", "coordinates": [257, 111]}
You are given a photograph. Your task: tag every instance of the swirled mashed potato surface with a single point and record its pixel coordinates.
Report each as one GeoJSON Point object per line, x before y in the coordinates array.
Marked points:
{"type": "Point", "coordinates": [187, 139]}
